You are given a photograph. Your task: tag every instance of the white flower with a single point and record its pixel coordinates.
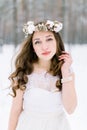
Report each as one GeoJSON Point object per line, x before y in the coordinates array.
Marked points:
{"type": "Point", "coordinates": [58, 27]}
{"type": "Point", "coordinates": [30, 22]}
{"type": "Point", "coordinates": [50, 23]}
{"type": "Point", "coordinates": [30, 29]}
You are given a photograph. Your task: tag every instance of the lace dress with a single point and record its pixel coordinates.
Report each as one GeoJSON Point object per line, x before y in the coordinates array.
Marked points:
{"type": "Point", "coordinates": [42, 105]}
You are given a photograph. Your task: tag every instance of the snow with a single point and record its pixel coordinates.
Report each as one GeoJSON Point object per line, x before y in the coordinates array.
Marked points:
{"type": "Point", "coordinates": [79, 53]}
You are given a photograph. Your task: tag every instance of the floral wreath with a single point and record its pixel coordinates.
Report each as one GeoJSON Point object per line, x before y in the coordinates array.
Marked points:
{"type": "Point", "coordinates": [30, 27]}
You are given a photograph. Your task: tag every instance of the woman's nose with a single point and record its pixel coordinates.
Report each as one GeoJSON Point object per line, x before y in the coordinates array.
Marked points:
{"type": "Point", "coordinates": [44, 46]}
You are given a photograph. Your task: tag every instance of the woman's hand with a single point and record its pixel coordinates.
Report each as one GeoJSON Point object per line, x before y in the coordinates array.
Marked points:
{"type": "Point", "coordinates": [66, 57]}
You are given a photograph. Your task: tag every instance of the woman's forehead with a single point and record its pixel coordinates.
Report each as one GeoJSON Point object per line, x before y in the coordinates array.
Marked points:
{"type": "Point", "coordinates": [42, 34]}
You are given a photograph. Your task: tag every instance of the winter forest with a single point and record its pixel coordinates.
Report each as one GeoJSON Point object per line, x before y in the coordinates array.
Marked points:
{"type": "Point", "coordinates": [14, 13]}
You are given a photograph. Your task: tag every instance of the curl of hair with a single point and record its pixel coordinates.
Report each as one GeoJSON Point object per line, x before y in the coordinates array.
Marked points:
{"type": "Point", "coordinates": [56, 64]}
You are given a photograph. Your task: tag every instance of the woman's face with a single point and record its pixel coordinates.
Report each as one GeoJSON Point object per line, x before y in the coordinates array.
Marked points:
{"type": "Point", "coordinates": [44, 44]}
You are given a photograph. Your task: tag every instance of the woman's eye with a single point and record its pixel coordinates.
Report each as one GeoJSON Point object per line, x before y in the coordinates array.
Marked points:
{"type": "Point", "coordinates": [50, 39]}
{"type": "Point", "coordinates": [37, 42]}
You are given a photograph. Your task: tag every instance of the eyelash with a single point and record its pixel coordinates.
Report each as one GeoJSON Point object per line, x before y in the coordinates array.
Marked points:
{"type": "Point", "coordinates": [50, 39]}
{"type": "Point", "coordinates": [38, 42]}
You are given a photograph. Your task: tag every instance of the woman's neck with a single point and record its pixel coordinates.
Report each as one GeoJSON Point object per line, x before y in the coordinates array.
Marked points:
{"type": "Point", "coordinates": [43, 66]}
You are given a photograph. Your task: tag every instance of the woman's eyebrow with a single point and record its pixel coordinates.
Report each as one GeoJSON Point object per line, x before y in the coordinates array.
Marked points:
{"type": "Point", "coordinates": [45, 36]}
{"type": "Point", "coordinates": [36, 39]}
{"type": "Point", "coordinates": [49, 36]}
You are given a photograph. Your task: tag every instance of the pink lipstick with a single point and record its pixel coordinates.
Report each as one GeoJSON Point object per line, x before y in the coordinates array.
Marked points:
{"type": "Point", "coordinates": [46, 53]}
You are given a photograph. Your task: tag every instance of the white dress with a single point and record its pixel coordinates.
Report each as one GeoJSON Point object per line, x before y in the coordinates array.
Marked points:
{"type": "Point", "coordinates": [42, 105]}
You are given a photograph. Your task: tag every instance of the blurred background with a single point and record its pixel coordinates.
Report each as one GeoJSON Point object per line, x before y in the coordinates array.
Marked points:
{"type": "Point", "coordinates": [73, 15]}
{"type": "Point", "coordinates": [14, 13]}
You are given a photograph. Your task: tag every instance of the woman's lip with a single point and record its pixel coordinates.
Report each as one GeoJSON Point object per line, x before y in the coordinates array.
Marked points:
{"type": "Point", "coordinates": [46, 53]}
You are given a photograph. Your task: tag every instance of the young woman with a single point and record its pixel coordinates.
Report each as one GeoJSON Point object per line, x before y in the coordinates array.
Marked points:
{"type": "Point", "coordinates": [42, 83]}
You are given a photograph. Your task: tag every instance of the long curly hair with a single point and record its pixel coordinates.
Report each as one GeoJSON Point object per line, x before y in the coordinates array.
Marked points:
{"type": "Point", "coordinates": [24, 64]}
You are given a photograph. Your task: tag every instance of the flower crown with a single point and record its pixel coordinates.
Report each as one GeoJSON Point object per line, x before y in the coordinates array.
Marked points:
{"type": "Point", "coordinates": [30, 27]}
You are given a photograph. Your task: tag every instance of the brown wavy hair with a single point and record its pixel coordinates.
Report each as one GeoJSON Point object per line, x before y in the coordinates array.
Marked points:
{"type": "Point", "coordinates": [24, 64]}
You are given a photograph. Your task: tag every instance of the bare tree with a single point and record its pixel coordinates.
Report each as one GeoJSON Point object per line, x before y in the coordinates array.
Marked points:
{"type": "Point", "coordinates": [14, 13]}
{"type": "Point", "coordinates": [15, 38]}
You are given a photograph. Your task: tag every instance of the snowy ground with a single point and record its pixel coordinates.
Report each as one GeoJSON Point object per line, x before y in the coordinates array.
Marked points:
{"type": "Point", "coordinates": [78, 119]}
